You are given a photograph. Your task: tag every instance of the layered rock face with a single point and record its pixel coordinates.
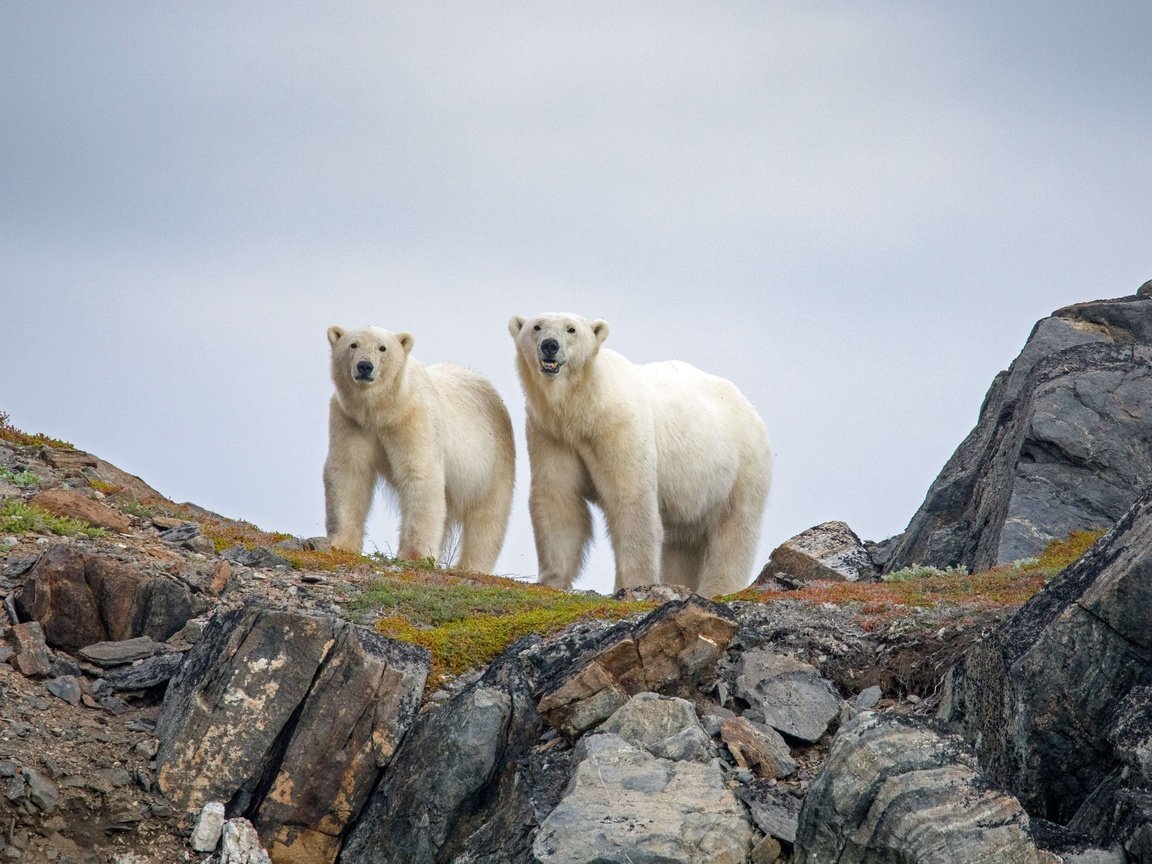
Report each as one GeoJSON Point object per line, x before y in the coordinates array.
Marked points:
{"type": "Point", "coordinates": [1058, 702]}
{"type": "Point", "coordinates": [1063, 442]}
{"type": "Point", "coordinates": [897, 792]}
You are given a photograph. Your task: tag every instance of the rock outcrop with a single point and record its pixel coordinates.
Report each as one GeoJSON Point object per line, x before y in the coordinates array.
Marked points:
{"type": "Point", "coordinates": [1062, 444]}
{"type": "Point", "coordinates": [892, 793]}
{"type": "Point", "coordinates": [289, 719]}
{"type": "Point", "coordinates": [1058, 702]}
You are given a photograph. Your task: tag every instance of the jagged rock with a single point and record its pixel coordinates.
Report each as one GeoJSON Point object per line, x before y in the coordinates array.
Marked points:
{"type": "Point", "coordinates": [258, 557]}
{"type": "Point", "coordinates": [119, 653]}
{"type": "Point", "coordinates": [239, 844]}
{"type": "Point", "coordinates": [625, 805]}
{"type": "Point", "coordinates": [787, 694]}
{"type": "Point", "coordinates": [74, 505]}
{"type": "Point", "coordinates": [209, 827]}
{"type": "Point", "coordinates": [41, 791]}
{"type": "Point", "coordinates": [757, 747]}
{"type": "Point", "coordinates": [65, 687]}
{"type": "Point", "coordinates": [867, 698]}
{"type": "Point", "coordinates": [271, 703]}
{"type": "Point", "coordinates": [893, 792]}
{"type": "Point", "coordinates": [677, 643]}
{"type": "Point", "coordinates": [774, 810]}
{"type": "Point", "coordinates": [32, 657]}
{"type": "Point", "coordinates": [451, 757]}
{"type": "Point", "coordinates": [1060, 445]}
{"type": "Point", "coordinates": [82, 599]}
{"type": "Point", "coordinates": [1058, 702]}
{"type": "Point", "coordinates": [663, 725]}
{"type": "Point", "coordinates": [140, 676]}
{"type": "Point", "coordinates": [361, 703]}
{"type": "Point", "coordinates": [831, 550]}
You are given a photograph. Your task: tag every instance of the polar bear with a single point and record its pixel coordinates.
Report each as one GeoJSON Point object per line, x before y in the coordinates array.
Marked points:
{"type": "Point", "coordinates": [440, 437]}
{"type": "Point", "coordinates": [678, 460]}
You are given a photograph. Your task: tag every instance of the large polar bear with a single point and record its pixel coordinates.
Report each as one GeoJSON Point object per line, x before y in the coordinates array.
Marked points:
{"type": "Point", "coordinates": [677, 459]}
{"type": "Point", "coordinates": [440, 437]}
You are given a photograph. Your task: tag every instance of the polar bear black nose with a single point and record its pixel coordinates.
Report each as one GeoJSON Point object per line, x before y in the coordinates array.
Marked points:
{"type": "Point", "coordinates": [364, 368]}
{"type": "Point", "coordinates": [549, 347]}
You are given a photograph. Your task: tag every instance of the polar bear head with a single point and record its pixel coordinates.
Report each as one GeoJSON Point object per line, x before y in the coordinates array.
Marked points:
{"type": "Point", "coordinates": [556, 344]}
{"type": "Point", "coordinates": [368, 357]}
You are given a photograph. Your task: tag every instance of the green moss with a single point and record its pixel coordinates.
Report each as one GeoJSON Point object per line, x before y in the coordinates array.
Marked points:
{"type": "Point", "coordinates": [1060, 553]}
{"type": "Point", "coordinates": [19, 478]}
{"type": "Point", "coordinates": [477, 638]}
{"type": "Point", "coordinates": [16, 517]}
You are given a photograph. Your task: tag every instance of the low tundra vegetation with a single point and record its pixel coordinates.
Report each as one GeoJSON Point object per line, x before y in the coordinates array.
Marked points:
{"type": "Point", "coordinates": [16, 517]}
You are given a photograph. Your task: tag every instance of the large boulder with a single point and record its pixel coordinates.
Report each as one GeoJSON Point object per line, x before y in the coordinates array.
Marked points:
{"type": "Point", "coordinates": [80, 599]}
{"type": "Point", "coordinates": [1061, 444]}
{"type": "Point", "coordinates": [625, 805]}
{"type": "Point", "coordinates": [1058, 702]}
{"type": "Point", "coordinates": [289, 718]}
{"type": "Point", "coordinates": [830, 550]}
{"type": "Point", "coordinates": [892, 792]}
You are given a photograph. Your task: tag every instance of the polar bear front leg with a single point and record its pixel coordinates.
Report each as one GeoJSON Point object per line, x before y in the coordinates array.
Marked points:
{"type": "Point", "coordinates": [626, 488]}
{"type": "Point", "coordinates": [561, 520]}
{"type": "Point", "coordinates": [418, 479]}
{"type": "Point", "coordinates": [349, 478]}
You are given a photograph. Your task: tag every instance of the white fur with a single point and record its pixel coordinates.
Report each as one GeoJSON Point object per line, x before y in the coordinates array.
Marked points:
{"type": "Point", "coordinates": [440, 437]}
{"type": "Point", "coordinates": [678, 460]}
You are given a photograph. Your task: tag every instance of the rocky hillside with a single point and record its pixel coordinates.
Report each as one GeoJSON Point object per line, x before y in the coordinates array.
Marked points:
{"type": "Point", "coordinates": [178, 686]}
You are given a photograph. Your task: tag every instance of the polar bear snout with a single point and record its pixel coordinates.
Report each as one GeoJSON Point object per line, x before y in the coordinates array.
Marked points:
{"type": "Point", "coordinates": [547, 353]}
{"type": "Point", "coordinates": [550, 363]}
{"type": "Point", "coordinates": [364, 370]}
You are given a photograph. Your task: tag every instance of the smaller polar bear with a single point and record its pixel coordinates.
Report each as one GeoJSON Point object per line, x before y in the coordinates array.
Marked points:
{"type": "Point", "coordinates": [677, 459]}
{"type": "Point", "coordinates": [440, 437]}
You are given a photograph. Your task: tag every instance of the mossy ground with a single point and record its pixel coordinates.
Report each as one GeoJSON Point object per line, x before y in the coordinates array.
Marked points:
{"type": "Point", "coordinates": [16, 517]}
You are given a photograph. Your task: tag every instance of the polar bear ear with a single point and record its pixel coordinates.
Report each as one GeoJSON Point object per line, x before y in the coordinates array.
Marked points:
{"type": "Point", "coordinates": [334, 334]}
{"type": "Point", "coordinates": [600, 329]}
{"type": "Point", "coordinates": [515, 325]}
{"type": "Point", "coordinates": [406, 340]}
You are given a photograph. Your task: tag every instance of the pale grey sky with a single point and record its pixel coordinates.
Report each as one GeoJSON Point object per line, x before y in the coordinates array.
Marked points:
{"type": "Point", "coordinates": [855, 211]}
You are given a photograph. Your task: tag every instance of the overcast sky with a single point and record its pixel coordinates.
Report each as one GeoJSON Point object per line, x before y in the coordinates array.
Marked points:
{"type": "Point", "coordinates": [856, 211]}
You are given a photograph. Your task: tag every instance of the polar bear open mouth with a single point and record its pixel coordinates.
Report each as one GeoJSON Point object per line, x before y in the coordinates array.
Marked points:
{"type": "Point", "coordinates": [551, 367]}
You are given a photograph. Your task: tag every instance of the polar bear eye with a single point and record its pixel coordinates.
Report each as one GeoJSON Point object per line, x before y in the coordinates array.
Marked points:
{"type": "Point", "coordinates": [571, 329]}
{"type": "Point", "coordinates": [383, 347]}
{"type": "Point", "coordinates": [354, 345]}
{"type": "Point", "coordinates": [537, 327]}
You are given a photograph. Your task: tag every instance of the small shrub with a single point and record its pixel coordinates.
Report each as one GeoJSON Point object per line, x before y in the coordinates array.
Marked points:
{"type": "Point", "coordinates": [19, 518]}
{"type": "Point", "coordinates": [917, 571]}
{"type": "Point", "coordinates": [12, 435]}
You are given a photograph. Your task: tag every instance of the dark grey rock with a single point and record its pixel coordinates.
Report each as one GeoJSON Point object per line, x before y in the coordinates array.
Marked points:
{"type": "Point", "coordinates": [42, 792]}
{"type": "Point", "coordinates": [1061, 444]}
{"type": "Point", "coordinates": [867, 698]}
{"type": "Point", "coordinates": [109, 654]}
{"type": "Point", "coordinates": [891, 793]}
{"type": "Point", "coordinates": [181, 533]}
{"type": "Point", "coordinates": [775, 811]}
{"type": "Point", "coordinates": [1058, 702]}
{"type": "Point", "coordinates": [787, 694]}
{"type": "Point", "coordinates": [66, 687]}
{"type": "Point", "coordinates": [258, 557]}
{"type": "Point", "coordinates": [143, 674]}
